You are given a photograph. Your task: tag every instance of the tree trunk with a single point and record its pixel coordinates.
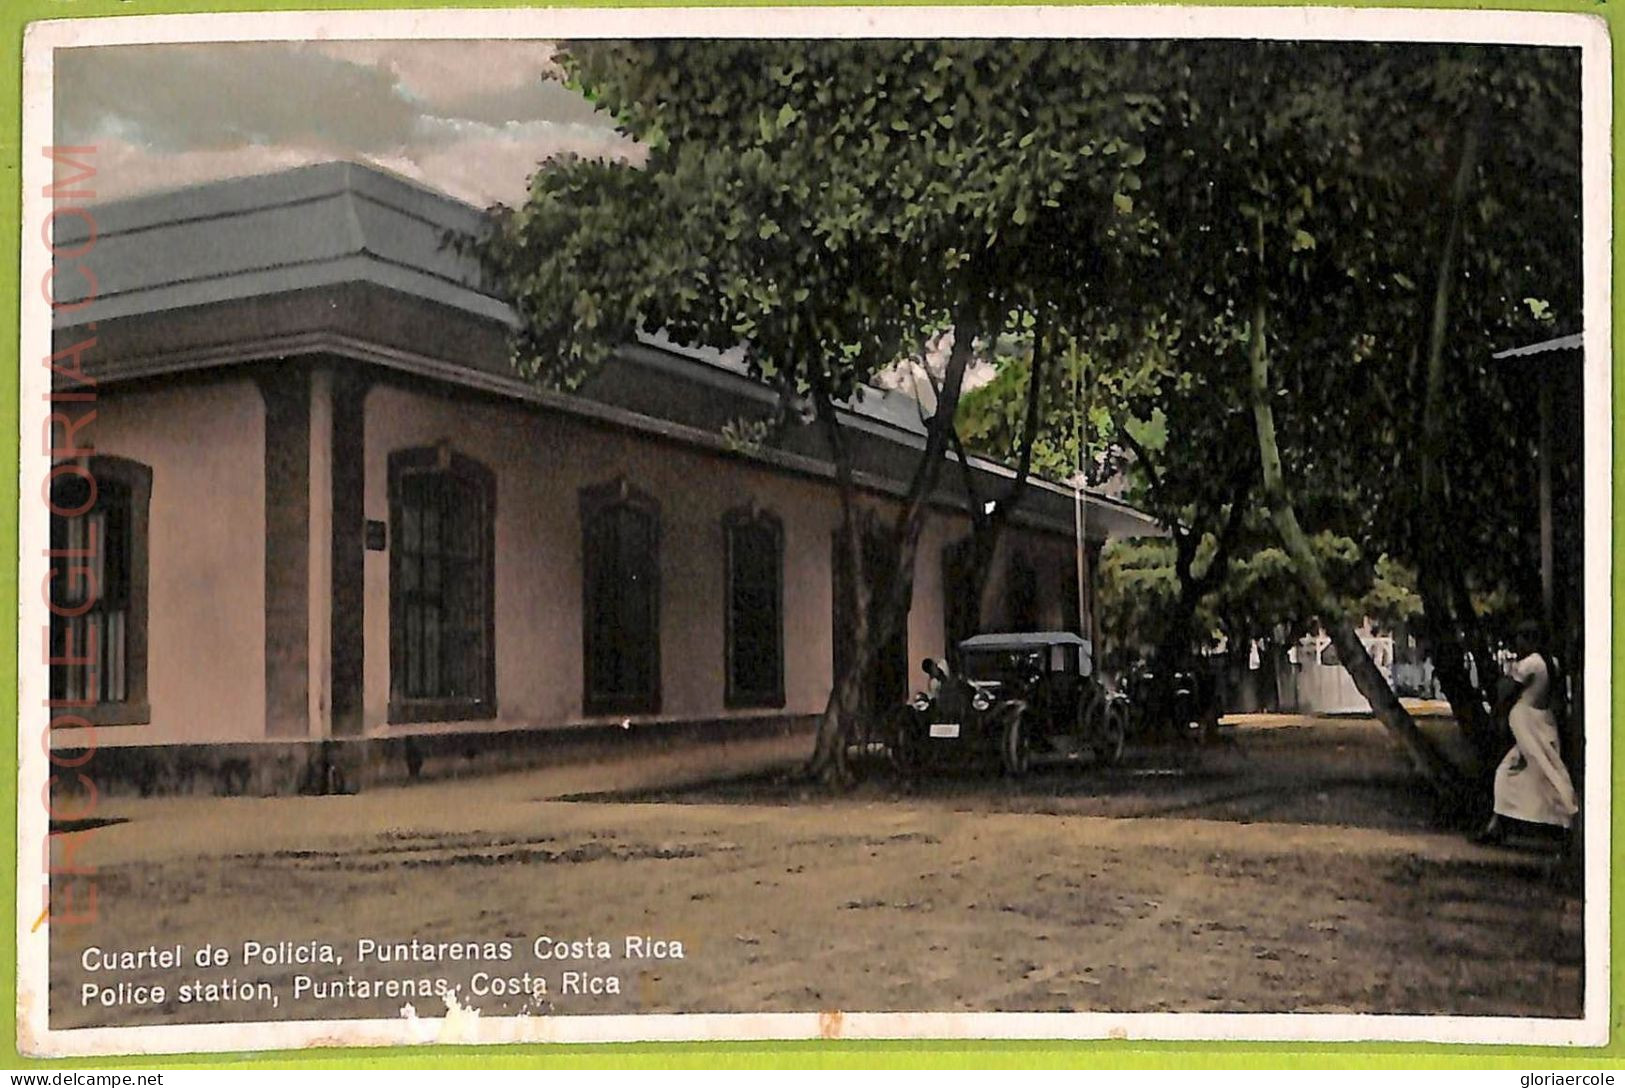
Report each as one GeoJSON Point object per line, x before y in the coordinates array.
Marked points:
{"type": "Point", "coordinates": [828, 763]}
{"type": "Point", "coordinates": [1176, 634]}
{"type": "Point", "coordinates": [1174, 650]}
{"type": "Point", "coordinates": [987, 529]}
{"type": "Point", "coordinates": [911, 516]}
{"type": "Point", "coordinates": [874, 621]}
{"type": "Point", "coordinates": [1472, 632]}
{"type": "Point", "coordinates": [1424, 755]}
{"type": "Point", "coordinates": [1174, 645]}
{"type": "Point", "coordinates": [1448, 653]}
{"type": "Point", "coordinates": [1434, 564]}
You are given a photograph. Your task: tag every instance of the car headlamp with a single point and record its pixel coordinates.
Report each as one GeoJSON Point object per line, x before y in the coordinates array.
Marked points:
{"type": "Point", "coordinates": [980, 701]}
{"type": "Point", "coordinates": [920, 702]}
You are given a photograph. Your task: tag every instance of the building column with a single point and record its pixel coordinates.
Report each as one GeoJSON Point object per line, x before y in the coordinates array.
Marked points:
{"type": "Point", "coordinates": [319, 542]}
{"type": "Point", "coordinates": [1091, 593]}
{"type": "Point", "coordinates": [347, 557]}
{"type": "Point", "coordinates": [285, 387]}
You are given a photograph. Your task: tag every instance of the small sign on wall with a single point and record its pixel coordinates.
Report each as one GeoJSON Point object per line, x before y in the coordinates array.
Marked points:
{"type": "Point", "coordinates": [377, 536]}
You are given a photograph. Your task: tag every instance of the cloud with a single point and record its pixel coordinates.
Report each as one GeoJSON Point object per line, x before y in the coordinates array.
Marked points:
{"type": "Point", "coordinates": [174, 98]}
{"type": "Point", "coordinates": [919, 375]}
{"type": "Point", "coordinates": [126, 169]}
{"type": "Point", "coordinates": [488, 165]}
{"type": "Point", "coordinates": [473, 118]}
{"type": "Point", "coordinates": [491, 81]}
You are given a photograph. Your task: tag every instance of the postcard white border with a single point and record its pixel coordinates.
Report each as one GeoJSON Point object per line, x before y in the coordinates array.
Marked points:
{"type": "Point", "coordinates": [1587, 33]}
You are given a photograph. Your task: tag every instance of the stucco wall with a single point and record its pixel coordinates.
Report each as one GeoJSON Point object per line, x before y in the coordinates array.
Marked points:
{"type": "Point", "coordinates": [206, 559]}
{"type": "Point", "coordinates": [1054, 560]}
{"type": "Point", "coordinates": [206, 657]}
{"type": "Point", "coordinates": [927, 617]}
{"type": "Point", "coordinates": [541, 462]}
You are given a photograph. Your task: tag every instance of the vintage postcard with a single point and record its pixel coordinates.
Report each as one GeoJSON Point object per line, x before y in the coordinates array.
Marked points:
{"type": "Point", "coordinates": [1022, 523]}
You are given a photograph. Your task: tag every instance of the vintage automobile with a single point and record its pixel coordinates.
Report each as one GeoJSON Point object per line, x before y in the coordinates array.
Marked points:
{"type": "Point", "coordinates": [1018, 698]}
{"type": "Point", "coordinates": [1176, 706]}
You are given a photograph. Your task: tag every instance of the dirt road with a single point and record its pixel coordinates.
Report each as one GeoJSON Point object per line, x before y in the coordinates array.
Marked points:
{"type": "Point", "coordinates": [1290, 868]}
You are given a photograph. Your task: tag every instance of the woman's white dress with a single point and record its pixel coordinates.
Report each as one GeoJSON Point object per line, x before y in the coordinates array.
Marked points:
{"type": "Point", "coordinates": [1531, 783]}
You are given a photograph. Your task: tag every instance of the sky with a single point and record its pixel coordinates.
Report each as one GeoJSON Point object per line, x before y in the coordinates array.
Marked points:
{"type": "Point", "coordinates": [471, 118]}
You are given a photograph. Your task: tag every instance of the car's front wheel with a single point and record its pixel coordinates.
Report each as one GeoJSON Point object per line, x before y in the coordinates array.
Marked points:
{"type": "Point", "coordinates": [1113, 736]}
{"type": "Point", "coordinates": [1016, 750]}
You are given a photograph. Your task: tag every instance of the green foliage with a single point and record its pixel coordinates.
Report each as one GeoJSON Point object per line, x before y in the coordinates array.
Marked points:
{"type": "Point", "coordinates": [835, 204]}
{"type": "Point", "coordinates": [991, 417]}
{"type": "Point", "coordinates": [1324, 177]}
{"type": "Point", "coordinates": [747, 435]}
{"type": "Point", "coordinates": [1316, 180]}
{"type": "Point", "coordinates": [1258, 596]}
{"type": "Point", "coordinates": [1137, 590]}
{"type": "Point", "coordinates": [1392, 598]}
{"type": "Point", "coordinates": [831, 204]}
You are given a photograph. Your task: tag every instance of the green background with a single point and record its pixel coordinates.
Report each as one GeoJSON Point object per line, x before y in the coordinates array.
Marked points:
{"type": "Point", "coordinates": [14, 17]}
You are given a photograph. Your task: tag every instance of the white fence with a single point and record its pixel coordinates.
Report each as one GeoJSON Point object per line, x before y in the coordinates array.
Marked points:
{"type": "Point", "coordinates": [1323, 684]}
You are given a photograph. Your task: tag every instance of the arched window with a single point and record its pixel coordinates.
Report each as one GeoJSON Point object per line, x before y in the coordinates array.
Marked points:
{"type": "Point", "coordinates": [99, 589]}
{"type": "Point", "coordinates": [442, 509]}
{"type": "Point", "coordinates": [620, 607]}
{"type": "Point", "coordinates": [753, 549]}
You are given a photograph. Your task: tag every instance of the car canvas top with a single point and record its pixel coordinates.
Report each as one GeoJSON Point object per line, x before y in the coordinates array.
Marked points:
{"type": "Point", "coordinates": [1021, 640]}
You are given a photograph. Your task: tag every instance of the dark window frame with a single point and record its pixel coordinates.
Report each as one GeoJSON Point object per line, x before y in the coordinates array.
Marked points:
{"type": "Point", "coordinates": [735, 697]}
{"type": "Point", "coordinates": [956, 591]}
{"type": "Point", "coordinates": [405, 709]}
{"type": "Point", "coordinates": [1021, 592]}
{"type": "Point", "coordinates": [595, 503]}
{"type": "Point", "coordinates": [135, 480]}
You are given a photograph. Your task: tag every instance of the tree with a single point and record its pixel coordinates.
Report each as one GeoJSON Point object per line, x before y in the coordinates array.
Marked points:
{"type": "Point", "coordinates": [831, 205]}
{"type": "Point", "coordinates": [1179, 437]}
{"type": "Point", "coordinates": [1196, 476]}
{"type": "Point", "coordinates": [1257, 597]}
{"type": "Point", "coordinates": [1313, 210]}
{"type": "Point", "coordinates": [1032, 414]}
{"type": "Point", "coordinates": [1236, 234]}
{"type": "Point", "coordinates": [1499, 266]}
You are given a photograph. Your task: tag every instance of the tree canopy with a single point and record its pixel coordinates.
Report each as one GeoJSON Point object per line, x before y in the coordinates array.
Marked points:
{"type": "Point", "coordinates": [831, 206]}
{"type": "Point", "coordinates": [1283, 268]}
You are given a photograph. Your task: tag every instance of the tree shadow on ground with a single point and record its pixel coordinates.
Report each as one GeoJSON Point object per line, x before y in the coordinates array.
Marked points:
{"type": "Point", "coordinates": [1338, 772]}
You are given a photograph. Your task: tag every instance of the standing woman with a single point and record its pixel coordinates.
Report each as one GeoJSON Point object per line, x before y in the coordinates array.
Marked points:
{"type": "Point", "coordinates": [1531, 784]}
